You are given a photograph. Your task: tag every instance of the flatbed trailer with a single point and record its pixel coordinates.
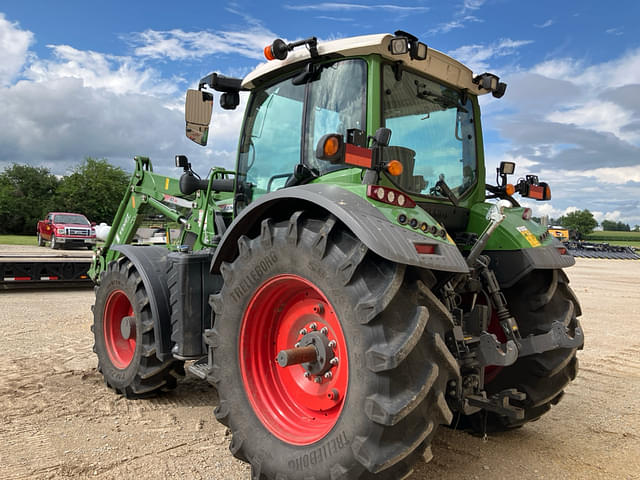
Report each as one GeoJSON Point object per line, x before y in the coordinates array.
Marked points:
{"type": "Point", "coordinates": [601, 250]}
{"type": "Point", "coordinates": [35, 269]}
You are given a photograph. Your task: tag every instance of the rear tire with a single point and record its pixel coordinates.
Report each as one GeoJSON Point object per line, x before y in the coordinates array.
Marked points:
{"type": "Point", "coordinates": [40, 240]}
{"type": "Point", "coordinates": [129, 364]}
{"type": "Point", "coordinates": [536, 302]}
{"type": "Point", "coordinates": [393, 363]}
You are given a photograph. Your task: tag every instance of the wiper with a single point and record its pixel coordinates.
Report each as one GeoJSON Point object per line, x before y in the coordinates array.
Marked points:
{"type": "Point", "coordinates": [442, 188]}
{"type": "Point", "coordinates": [441, 100]}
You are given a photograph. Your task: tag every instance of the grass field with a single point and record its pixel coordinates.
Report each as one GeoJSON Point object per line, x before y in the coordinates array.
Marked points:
{"type": "Point", "coordinates": [628, 239]}
{"type": "Point", "coordinates": [18, 240]}
{"type": "Point", "coordinates": [614, 236]}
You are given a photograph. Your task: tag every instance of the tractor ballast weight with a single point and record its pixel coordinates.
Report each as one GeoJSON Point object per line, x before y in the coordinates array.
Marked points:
{"type": "Point", "coordinates": [347, 289]}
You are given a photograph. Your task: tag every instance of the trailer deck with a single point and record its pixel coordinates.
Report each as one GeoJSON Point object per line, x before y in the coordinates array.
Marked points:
{"type": "Point", "coordinates": [26, 266]}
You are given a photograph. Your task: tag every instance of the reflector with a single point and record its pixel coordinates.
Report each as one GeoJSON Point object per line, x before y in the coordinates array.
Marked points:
{"type": "Point", "coordinates": [425, 248]}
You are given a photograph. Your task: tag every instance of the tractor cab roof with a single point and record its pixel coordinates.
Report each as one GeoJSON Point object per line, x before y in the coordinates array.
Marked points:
{"type": "Point", "coordinates": [437, 64]}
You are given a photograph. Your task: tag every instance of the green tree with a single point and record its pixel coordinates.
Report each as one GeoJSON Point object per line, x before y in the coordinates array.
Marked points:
{"type": "Point", "coordinates": [26, 194]}
{"type": "Point", "coordinates": [581, 221]}
{"type": "Point", "coordinates": [609, 225]}
{"type": "Point", "coordinates": [95, 188]}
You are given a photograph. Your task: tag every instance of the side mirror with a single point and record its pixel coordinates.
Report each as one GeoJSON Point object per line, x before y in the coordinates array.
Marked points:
{"type": "Point", "coordinates": [197, 115]}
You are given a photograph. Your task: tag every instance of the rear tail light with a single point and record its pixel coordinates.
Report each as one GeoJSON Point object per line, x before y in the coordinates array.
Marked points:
{"type": "Point", "coordinates": [389, 196]}
{"type": "Point", "coordinates": [425, 248]}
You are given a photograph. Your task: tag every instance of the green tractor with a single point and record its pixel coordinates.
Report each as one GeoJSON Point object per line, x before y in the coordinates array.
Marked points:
{"type": "Point", "coordinates": [347, 288]}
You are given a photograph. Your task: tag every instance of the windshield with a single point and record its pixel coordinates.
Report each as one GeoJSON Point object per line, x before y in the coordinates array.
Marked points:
{"type": "Point", "coordinates": [77, 219]}
{"type": "Point", "coordinates": [433, 133]}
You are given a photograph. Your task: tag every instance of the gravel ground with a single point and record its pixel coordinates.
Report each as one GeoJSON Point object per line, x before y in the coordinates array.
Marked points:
{"type": "Point", "coordinates": [59, 420]}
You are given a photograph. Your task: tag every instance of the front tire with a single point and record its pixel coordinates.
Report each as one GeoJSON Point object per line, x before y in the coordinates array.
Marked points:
{"type": "Point", "coordinates": [379, 409]}
{"type": "Point", "coordinates": [54, 243]}
{"type": "Point", "coordinates": [124, 335]}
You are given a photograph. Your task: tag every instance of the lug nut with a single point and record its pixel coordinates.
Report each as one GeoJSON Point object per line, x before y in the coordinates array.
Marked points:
{"type": "Point", "coordinates": [318, 379]}
{"type": "Point", "coordinates": [302, 332]}
{"type": "Point", "coordinates": [332, 344]}
{"type": "Point", "coordinates": [334, 361]}
{"type": "Point", "coordinates": [307, 375]}
{"type": "Point", "coordinates": [328, 375]}
{"type": "Point", "coordinates": [297, 345]}
{"type": "Point", "coordinates": [324, 331]}
{"type": "Point", "coordinates": [313, 327]}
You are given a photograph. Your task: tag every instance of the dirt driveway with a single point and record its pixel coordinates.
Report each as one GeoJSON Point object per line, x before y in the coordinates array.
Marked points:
{"type": "Point", "coordinates": [57, 419]}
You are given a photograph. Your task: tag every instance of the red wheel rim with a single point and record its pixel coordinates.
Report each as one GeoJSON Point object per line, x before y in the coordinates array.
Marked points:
{"type": "Point", "coordinates": [120, 349]}
{"type": "Point", "coordinates": [293, 407]}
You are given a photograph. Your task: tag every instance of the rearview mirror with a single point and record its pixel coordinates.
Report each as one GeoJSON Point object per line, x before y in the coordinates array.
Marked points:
{"type": "Point", "coordinates": [197, 115]}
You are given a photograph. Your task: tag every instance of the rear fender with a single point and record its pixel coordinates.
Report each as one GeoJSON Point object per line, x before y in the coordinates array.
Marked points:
{"type": "Point", "coordinates": [385, 238]}
{"type": "Point", "coordinates": [518, 246]}
{"type": "Point", "coordinates": [151, 264]}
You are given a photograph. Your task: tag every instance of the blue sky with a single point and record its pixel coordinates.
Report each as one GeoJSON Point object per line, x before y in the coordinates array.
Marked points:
{"type": "Point", "coordinates": [107, 79]}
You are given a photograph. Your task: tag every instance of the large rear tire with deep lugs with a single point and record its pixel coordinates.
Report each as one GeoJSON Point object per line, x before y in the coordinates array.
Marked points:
{"type": "Point", "coordinates": [124, 335]}
{"type": "Point", "coordinates": [536, 301]}
{"type": "Point", "coordinates": [369, 404]}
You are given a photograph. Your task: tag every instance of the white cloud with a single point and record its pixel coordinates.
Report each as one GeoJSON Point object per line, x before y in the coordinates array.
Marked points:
{"type": "Point", "coordinates": [598, 116]}
{"type": "Point", "coordinates": [84, 103]}
{"type": "Point", "coordinates": [613, 216]}
{"type": "Point", "coordinates": [472, 5]}
{"type": "Point", "coordinates": [14, 47]}
{"type": "Point", "coordinates": [624, 70]}
{"type": "Point", "coordinates": [332, 6]}
{"type": "Point", "coordinates": [541, 209]}
{"type": "Point", "coordinates": [612, 175]}
{"type": "Point", "coordinates": [617, 31]}
{"type": "Point", "coordinates": [546, 24]}
{"type": "Point", "coordinates": [177, 44]}
{"type": "Point", "coordinates": [116, 74]}
{"type": "Point", "coordinates": [477, 56]}
{"type": "Point", "coordinates": [453, 24]}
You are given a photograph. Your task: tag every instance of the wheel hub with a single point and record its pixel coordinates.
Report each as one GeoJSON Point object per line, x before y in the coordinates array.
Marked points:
{"type": "Point", "coordinates": [127, 327]}
{"type": "Point", "coordinates": [119, 329]}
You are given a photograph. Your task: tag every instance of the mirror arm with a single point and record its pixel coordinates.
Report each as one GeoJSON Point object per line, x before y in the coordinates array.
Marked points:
{"type": "Point", "coordinates": [220, 83]}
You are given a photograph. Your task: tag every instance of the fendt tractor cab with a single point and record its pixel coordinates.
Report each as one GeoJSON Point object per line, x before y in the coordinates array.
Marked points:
{"type": "Point", "coordinates": [347, 288]}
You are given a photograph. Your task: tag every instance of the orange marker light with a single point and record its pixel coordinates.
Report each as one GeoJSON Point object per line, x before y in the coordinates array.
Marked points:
{"type": "Point", "coordinates": [331, 146]}
{"type": "Point", "coordinates": [394, 167]}
{"type": "Point", "coordinates": [268, 53]}
{"type": "Point", "coordinates": [547, 193]}
{"type": "Point", "coordinates": [509, 189]}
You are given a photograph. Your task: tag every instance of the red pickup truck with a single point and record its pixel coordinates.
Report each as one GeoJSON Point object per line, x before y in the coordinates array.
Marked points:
{"type": "Point", "coordinates": [66, 229]}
